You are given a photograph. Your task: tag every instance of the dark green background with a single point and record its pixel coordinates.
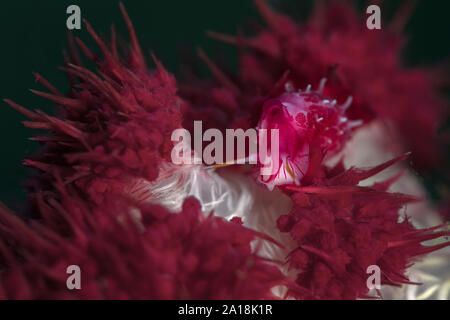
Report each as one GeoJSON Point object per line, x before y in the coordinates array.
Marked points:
{"type": "Point", "coordinates": [33, 35]}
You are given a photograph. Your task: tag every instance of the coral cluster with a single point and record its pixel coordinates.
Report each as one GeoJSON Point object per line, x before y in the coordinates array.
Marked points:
{"type": "Point", "coordinates": [365, 64]}
{"type": "Point", "coordinates": [113, 133]}
{"type": "Point", "coordinates": [144, 252]}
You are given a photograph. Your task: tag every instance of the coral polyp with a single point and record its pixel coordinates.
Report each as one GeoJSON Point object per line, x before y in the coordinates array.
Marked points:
{"type": "Point", "coordinates": [308, 122]}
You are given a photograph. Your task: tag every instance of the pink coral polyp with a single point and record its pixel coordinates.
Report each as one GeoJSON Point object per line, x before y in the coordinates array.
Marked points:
{"type": "Point", "coordinates": [303, 118]}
